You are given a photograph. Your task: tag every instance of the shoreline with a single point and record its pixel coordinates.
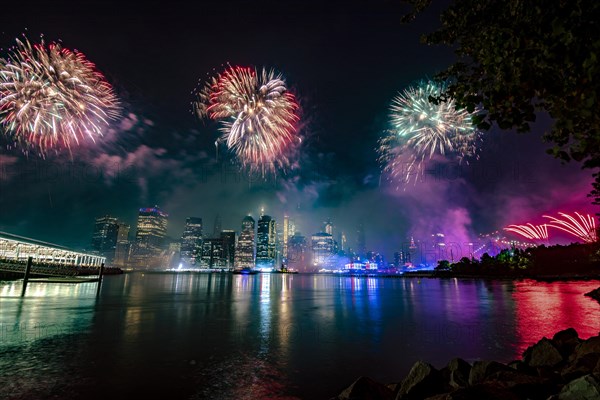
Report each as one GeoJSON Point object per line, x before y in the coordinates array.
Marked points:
{"type": "Point", "coordinates": [564, 367]}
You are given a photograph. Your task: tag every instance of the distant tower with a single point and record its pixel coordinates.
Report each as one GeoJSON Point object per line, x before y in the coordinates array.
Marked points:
{"type": "Point", "coordinates": [191, 240]}
{"type": "Point", "coordinates": [217, 228]}
{"type": "Point", "coordinates": [265, 242]}
{"type": "Point", "coordinates": [244, 253]}
{"type": "Point", "coordinates": [344, 240]}
{"type": "Point", "coordinates": [150, 236]}
{"type": "Point", "coordinates": [329, 227]}
{"type": "Point", "coordinates": [104, 240]}
{"type": "Point", "coordinates": [286, 234]}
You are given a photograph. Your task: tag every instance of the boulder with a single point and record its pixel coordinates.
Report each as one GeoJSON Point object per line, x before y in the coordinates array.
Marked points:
{"type": "Point", "coordinates": [594, 294]}
{"type": "Point", "coordinates": [365, 388]}
{"type": "Point", "coordinates": [422, 381]}
{"type": "Point", "coordinates": [581, 366]}
{"type": "Point", "coordinates": [591, 345]}
{"type": "Point", "coordinates": [565, 342]}
{"type": "Point", "coordinates": [542, 354]}
{"type": "Point", "coordinates": [456, 373]}
{"type": "Point", "coordinates": [520, 366]}
{"type": "Point", "coordinates": [523, 385]}
{"type": "Point", "coordinates": [585, 388]}
{"type": "Point", "coordinates": [483, 369]}
{"type": "Point", "coordinates": [482, 391]}
{"type": "Point", "coordinates": [596, 371]}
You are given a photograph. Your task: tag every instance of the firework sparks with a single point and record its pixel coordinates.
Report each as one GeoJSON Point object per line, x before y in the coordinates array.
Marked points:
{"type": "Point", "coordinates": [580, 226]}
{"type": "Point", "coordinates": [422, 129]}
{"type": "Point", "coordinates": [51, 96]}
{"type": "Point", "coordinates": [530, 231]}
{"type": "Point", "coordinates": [257, 114]}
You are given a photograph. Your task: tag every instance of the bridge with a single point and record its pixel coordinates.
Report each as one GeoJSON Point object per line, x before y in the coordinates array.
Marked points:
{"type": "Point", "coordinates": [47, 258]}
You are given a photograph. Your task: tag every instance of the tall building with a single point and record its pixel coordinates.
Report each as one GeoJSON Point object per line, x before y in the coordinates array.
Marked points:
{"type": "Point", "coordinates": [343, 242]}
{"type": "Point", "coordinates": [123, 246]}
{"type": "Point", "coordinates": [329, 227]}
{"type": "Point", "coordinates": [228, 239]}
{"type": "Point", "coordinates": [244, 253]}
{"type": "Point", "coordinates": [297, 253]}
{"type": "Point", "coordinates": [150, 237]}
{"type": "Point", "coordinates": [191, 241]}
{"type": "Point", "coordinates": [213, 254]}
{"type": "Point", "coordinates": [322, 250]}
{"type": "Point", "coordinates": [286, 236]}
{"type": "Point", "coordinates": [104, 239]}
{"type": "Point", "coordinates": [266, 242]}
{"type": "Point", "coordinates": [217, 227]}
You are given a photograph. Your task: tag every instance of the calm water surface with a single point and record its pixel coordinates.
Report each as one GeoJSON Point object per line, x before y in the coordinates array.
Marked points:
{"type": "Point", "coordinates": [221, 336]}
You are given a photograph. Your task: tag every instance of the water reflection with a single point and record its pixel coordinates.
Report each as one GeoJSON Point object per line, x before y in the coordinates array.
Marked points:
{"type": "Point", "coordinates": [270, 336]}
{"type": "Point", "coordinates": [544, 308]}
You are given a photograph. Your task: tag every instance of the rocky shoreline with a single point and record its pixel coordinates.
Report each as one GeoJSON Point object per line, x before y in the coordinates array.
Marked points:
{"type": "Point", "coordinates": [594, 294]}
{"type": "Point", "coordinates": [565, 367]}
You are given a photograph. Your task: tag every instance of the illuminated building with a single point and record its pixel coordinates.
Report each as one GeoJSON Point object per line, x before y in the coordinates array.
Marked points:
{"type": "Point", "coordinates": [297, 253]}
{"type": "Point", "coordinates": [213, 254]}
{"type": "Point", "coordinates": [191, 241]}
{"type": "Point", "coordinates": [149, 237]}
{"type": "Point", "coordinates": [228, 239]}
{"type": "Point", "coordinates": [14, 248]}
{"type": "Point", "coordinates": [322, 246]}
{"type": "Point", "coordinates": [244, 253]}
{"type": "Point", "coordinates": [329, 227]}
{"type": "Point", "coordinates": [104, 239]}
{"type": "Point", "coordinates": [266, 242]}
{"type": "Point", "coordinates": [123, 246]}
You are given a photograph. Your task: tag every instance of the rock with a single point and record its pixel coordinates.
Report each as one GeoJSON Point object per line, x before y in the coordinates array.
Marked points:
{"type": "Point", "coordinates": [422, 381]}
{"type": "Point", "coordinates": [483, 369]}
{"type": "Point", "coordinates": [482, 391]}
{"type": "Point", "coordinates": [523, 385]}
{"type": "Point", "coordinates": [365, 388]}
{"type": "Point", "coordinates": [581, 366]}
{"type": "Point", "coordinates": [565, 341]}
{"type": "Point", "coordinates": [596, 371]}
{"type": "Point", "coordinates": [542, 354]}
{"type": "Point", "coordinates": [594, 294]}
{"type": "Point", "coordinates": [522, 367]}
{"type": "Point", "coordinates": [457, 373]}
{"type": "Point", "coordinates": [394, 387]}
{"type": "Point", "coordinates": [585, 388]}
{"type": "Point", "coordinates": [592, 345]}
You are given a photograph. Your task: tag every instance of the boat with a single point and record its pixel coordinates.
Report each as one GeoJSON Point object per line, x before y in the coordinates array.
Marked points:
{"type": "Point", "coordinates": [245, 271]}
{"type": "Point", "coordinates": [284, 270]}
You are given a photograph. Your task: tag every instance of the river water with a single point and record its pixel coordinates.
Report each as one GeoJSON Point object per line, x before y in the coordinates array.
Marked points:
{"type": "Point", "coordinates": [222, 336]}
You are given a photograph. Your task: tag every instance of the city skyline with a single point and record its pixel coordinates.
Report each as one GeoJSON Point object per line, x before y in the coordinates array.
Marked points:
{"type": "Point", "coordinates": [160, 153]}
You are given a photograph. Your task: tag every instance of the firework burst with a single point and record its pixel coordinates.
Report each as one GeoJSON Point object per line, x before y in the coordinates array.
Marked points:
{"type": "Point", "coordinates": [580, 226]}
{"type": "Point", "coordinates": [51, 96]}
{"type": "Point", "coordinates": [422, 129]}
{"type": "Point", "coordinates": [257, 115]}
{"type": "Point", "coordinates": [530, 231]}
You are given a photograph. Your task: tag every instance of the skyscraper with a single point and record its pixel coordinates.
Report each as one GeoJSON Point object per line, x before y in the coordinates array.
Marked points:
{"type": "Point", "coordinates": [228, 239]}
{"type": "Point", "coordinates": [286, 227]}
{"type": "Point", "coordinates": [297, 253]}
{"type": "Point", "coordinates": [191, 240]}
{"type": "Point", "coordinates": [123, 246]}
{"type": "Point", "coordinates": [150, 237]}
{"type": "Point", "coordinates": [104, 239]}
{"type": "Point", "coordinates": [266, 242]}
{"type": "Point", "coordinates": [322, 248]}
{"type": "Point", "coordinates": [217, 227]}
{"type": "Point", "coordinates": [244, 253]}
{"type": "Point", "coordinates": [213, 254]}
{"type": "Point", "coordinates": [329, 227]}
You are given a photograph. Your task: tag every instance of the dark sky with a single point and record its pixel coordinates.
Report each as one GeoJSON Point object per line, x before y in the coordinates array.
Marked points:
{"type": "Point", "coordinates": [344, 60]}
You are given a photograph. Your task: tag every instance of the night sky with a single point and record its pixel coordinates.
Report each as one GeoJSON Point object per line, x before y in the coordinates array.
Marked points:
{"type": "Point", "coordinates": [344, 60]}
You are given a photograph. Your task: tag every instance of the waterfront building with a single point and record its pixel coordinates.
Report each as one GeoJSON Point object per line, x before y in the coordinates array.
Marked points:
{"type": "Point", "coordinates": [150, 237]}
{"type": "Point", "coordinates": [213, 254]}
{"type": "Point", "coordinates": [322, 246]}
{"type": "Point", "coordinates": [123, 246]}
{"type": "Point", "coordinates": [266, 242]}
{"type": "Point", "coordinates": [245, 253]}
{"type": "Point", "coordinates": [297, 253]}
{"type": "Point", "coordinates": [228, 239]}
{"type": "Point", "coordinates": [191, 241]}
{"type": "Point", "coordinates": [104, 238]}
